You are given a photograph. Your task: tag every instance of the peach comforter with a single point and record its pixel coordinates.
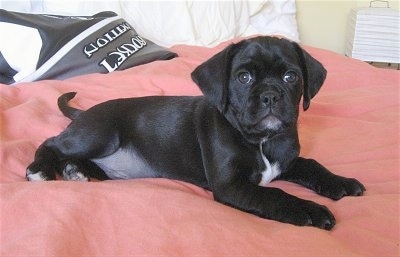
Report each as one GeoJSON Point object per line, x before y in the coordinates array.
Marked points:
{"type": "Point", "coordinates": [352, 127]}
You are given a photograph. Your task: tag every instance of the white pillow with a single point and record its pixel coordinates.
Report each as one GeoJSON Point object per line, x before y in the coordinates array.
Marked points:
{"type": "Point", "coordinates": [190, 22]}
{"type": "Point", "coordinates": [278, 17]}
{"type": "Point", "coordinates": [208, 23]}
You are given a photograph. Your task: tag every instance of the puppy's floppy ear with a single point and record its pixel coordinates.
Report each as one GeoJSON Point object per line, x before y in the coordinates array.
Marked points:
{"type": "Point", "coordinates": [314, 75]}
{"type": "Point", "coordinates": [212, 77]}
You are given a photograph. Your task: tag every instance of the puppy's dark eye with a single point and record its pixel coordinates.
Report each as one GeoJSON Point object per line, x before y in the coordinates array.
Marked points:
{"type": "Point", "coordinates": [290, 77]}
{"type": "Point", "coordinates": [245, 77]}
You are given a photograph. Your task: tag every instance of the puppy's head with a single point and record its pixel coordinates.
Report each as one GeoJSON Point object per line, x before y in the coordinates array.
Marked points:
{"type": "Point", "coordinates": [258, 83]}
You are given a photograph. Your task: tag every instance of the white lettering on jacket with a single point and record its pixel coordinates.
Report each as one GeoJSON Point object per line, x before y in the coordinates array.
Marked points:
{"type": "Point", "coordinates": [122, 53]}
{"type": "Point", "coordinates": [108, 37]}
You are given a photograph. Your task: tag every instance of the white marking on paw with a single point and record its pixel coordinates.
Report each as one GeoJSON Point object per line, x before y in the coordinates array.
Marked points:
{"type": "Point", "coordinates": [270, 172]}
{"type": "Point", "coordinates": [34, 176]}
{"type": "Point", "coordinates": [70, 173]}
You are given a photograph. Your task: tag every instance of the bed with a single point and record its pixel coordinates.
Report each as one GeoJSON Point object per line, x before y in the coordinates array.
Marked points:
{"type": "Point", "coordinates": [352, 127]}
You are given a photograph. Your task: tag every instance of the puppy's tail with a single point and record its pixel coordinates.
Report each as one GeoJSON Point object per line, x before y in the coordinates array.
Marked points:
{"type": "Point", "coordinates": [67, 110]}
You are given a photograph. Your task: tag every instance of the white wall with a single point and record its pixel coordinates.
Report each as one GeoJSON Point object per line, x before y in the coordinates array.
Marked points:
{"type": "Point", "coordinates": [322, 23]}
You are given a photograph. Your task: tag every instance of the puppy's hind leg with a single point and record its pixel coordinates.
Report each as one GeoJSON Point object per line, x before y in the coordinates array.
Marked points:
{"type": "Point", "coordinates": [82, 170]}
{"type": "Point", "coordinates": [69, 153]}
{"type": "Point", "coordinates": [44, 166]}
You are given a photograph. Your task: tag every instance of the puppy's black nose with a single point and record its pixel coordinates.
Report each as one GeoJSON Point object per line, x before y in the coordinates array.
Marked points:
{"type": "Point", "coordinates": [270, 97]}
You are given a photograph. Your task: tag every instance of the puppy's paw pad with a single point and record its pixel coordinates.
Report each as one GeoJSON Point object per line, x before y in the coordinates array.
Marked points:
{"type": "Point", "coordinates": [71, 172]}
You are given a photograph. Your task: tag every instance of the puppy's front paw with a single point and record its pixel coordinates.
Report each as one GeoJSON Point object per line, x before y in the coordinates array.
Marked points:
{"type": "Point", "coordinates": [307, 213]}
{"type": "Point", "coordinates": [338, 187]}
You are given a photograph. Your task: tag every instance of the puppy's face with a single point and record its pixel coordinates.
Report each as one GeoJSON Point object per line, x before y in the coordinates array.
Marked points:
{"type": "Point", "coordinates": [258, 83]}
{"type": "Point", "coordinates": [265, 87]}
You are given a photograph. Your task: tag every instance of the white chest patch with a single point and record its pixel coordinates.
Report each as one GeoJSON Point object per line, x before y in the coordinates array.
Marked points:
{"type": "Point", "coordinates": [270, 172]}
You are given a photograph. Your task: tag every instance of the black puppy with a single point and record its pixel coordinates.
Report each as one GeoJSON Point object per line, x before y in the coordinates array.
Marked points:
{"type": "Point", "coordinates": [238, 137]}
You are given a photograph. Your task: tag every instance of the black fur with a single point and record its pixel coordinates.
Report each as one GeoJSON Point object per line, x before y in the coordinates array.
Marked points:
{"type": "Point", "coordinates": [252, 91]}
